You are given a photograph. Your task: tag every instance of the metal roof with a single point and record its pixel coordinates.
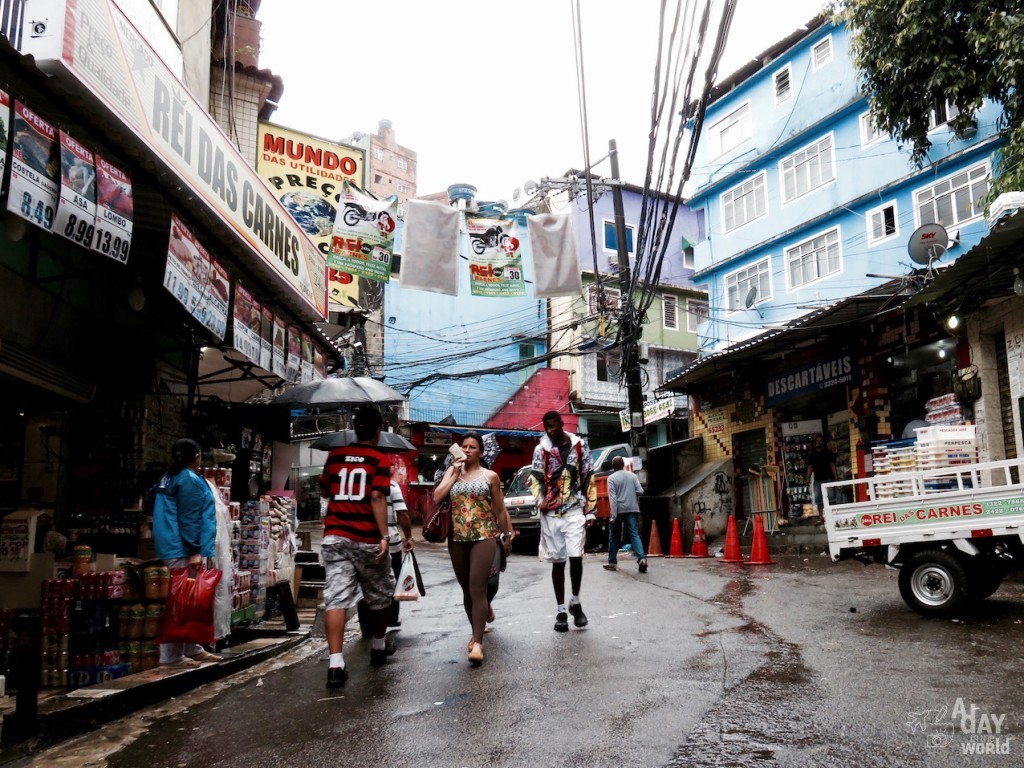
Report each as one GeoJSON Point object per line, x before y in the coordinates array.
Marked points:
{"type": "Point", "coordinates": [800, 333]}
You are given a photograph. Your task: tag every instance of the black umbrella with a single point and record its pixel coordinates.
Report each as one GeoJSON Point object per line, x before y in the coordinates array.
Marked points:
{"type": "Point", "coordinates": [339, 391]}
{"type": "Point", "coordinates": [389, 441]}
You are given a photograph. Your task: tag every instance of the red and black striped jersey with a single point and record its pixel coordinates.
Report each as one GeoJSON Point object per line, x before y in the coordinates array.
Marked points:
{"type": "Point", "coordinates": [351, 474]}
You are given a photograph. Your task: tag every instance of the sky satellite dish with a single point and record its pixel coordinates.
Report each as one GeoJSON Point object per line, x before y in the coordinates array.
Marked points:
{"type": "Point", "coordinates": [529, 187]}
{"type": "Point", "coordinates": [515, 194]}
{"type": "Point", "coordinates": [751, 297]}
{"type": "Point", "coordinates": [928, 243]}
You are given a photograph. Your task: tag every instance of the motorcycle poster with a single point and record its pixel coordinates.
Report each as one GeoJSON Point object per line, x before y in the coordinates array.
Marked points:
{"type": "Point", "coordinates": [495, 262]}
{"type": "Point", "coordinates": [363, 238]}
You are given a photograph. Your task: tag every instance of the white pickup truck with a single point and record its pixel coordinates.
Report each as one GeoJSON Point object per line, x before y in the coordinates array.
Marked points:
{"type": "Point", "coordinates": [954, 533]}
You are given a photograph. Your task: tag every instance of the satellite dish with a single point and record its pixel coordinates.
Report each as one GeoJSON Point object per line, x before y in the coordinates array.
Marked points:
{"type": "Point", "coordinates": [515, 194]}
{"type": "Point", "coordinates": [748, 302]}
{"type": "Point", "coordinates": [529, 187]}
{"type": "Point", "coordinates": [928, 243]}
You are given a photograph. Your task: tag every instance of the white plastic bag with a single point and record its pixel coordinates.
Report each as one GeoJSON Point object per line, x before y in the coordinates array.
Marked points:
{"type": "Point", "coordinates": [407, 587]}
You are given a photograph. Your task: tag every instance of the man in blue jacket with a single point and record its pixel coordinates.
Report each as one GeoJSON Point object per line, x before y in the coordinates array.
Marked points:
{"type": "Point", "coordinates": [184, 533]}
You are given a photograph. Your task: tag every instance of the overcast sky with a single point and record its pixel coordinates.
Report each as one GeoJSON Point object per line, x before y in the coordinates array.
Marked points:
{"type": "Point", "coordinates": [485, 92]}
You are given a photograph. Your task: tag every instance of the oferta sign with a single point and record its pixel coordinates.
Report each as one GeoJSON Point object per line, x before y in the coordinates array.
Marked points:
{"type": "Point", "coordinates": [100, 49]}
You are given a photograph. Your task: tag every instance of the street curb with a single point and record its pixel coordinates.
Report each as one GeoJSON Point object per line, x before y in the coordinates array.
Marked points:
{"type": "Point", "coordinates": [63, 717]}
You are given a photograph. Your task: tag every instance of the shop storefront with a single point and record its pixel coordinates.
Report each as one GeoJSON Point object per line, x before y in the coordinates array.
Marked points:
{"type": "Point", "coordinates": [181, 289]}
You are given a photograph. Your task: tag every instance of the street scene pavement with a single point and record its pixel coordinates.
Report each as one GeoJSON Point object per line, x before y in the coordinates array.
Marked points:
{"type": "Point", "coordinates": [695, 663]}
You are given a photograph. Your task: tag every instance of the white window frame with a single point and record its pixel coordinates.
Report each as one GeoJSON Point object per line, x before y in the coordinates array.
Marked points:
{"type": "Point", "coordinates": [669, 306]}
{"type": "Point", "coordinates": [630, 250]}
{"type": "Point", "coordinates": [950, 112]}
{"type": "Point", "coordinates": [402, 187]}
{"type": "Point", "coordinates": [743, 121]}
{"type": "Point", "coordinates": [730, 197]}
{"type": "Point", "coordinates": [977, 204]}
{"type": "Point", "coordinates": [827, 59]}
{"type": "Point", "coordinates": [402, 163]}
{"type": "Point", "coordinates": [880, 210]}
{"type": "Point", "coordinates": [869, 131]}
{"type": "Point", "coordinates": [803, 167]}
{"type": "Point", "coordinates": [792, 251]}
{"type": "Point", "coordinates": [378, 154]}
{"type": "Point", "coordinates": [689, 257]}
{"type": "Point", "coordinates": [788, 71]}
{"type": "Point", "coordinates": [696, 312]}
{"type": "Point", "coordinates": [763, 273]}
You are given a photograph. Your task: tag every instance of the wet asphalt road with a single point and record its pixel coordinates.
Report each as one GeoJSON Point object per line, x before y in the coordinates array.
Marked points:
{"type": "Point", "coordinates": [696, 663]}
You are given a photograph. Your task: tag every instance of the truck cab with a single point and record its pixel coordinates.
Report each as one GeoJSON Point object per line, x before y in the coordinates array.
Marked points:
{"type": "Point", "coordinates": [522, 508]}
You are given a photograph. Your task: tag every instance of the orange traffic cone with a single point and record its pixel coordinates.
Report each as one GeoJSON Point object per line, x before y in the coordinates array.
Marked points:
{"type": "Point", "coordinates": [654, 545]}
{"type": "Point", "coordinates": [675, 548]}
{"type": "Point", "coordinates": [759, 548]}
{"type": "Point", "coordinates": [700, 542]}
{"type": "Point", "coordinates": [733, 554]}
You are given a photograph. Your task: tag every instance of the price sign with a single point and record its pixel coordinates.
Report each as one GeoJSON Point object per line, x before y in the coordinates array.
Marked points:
{"type": "Point", "coordinates": [76, 209]}
{"type": "Point", "coordinates": [115, 208]}
{"type": "Point", "coordinates": [34, 167]}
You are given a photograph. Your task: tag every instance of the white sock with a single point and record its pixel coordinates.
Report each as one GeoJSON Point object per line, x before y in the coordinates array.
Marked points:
{"type": "Point", "coordinates": [574, 600]}
{"type": "Point", "coordinates": [561, 608]}
{"type": "Point", "coordinates": [336, 660]}
{"type": "Point", "coordinates": [377, 644]}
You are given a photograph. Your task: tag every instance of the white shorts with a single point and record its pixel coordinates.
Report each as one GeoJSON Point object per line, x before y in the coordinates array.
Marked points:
{"type": "Point", "coordinates": [562, 537]}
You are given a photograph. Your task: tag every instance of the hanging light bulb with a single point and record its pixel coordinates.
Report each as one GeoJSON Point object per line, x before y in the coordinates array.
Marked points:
{"type": "Point", "coordinates": [1018, 282]}
{"type": "Point", "coordinates": [952, 322]}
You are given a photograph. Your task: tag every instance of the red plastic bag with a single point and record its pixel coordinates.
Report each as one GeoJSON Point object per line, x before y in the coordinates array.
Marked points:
{"type": "Point", "coordinates": [188, 612]}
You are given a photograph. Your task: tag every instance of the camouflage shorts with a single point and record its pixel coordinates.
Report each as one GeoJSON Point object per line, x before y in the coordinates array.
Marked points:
{"type": "Point", "coordinates": [353, 573]}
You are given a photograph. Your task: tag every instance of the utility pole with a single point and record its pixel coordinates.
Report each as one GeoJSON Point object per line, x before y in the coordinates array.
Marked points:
{"type": "Point", "coordinates": [629, 326]}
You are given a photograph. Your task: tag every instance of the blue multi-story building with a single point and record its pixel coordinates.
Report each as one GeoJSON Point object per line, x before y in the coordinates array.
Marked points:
{"type": "Point", "coordinates": [804, 202]}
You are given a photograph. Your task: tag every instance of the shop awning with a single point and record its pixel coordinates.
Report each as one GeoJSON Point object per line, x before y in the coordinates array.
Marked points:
{"type": "Point", "coordinates": [984, 273]}
{"type": "Point", "coordinates": [226, 374]}
{"type": "Point", "coordinates": [802, 332]}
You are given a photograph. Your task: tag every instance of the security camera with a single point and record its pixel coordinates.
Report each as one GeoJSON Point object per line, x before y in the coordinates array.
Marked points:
{"type": "Point", "coordinates": [38, 28]}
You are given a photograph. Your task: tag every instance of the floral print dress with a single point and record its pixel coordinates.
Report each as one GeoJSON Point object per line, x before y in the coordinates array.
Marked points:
{"type": "Point", "coordinates": [472, 516]}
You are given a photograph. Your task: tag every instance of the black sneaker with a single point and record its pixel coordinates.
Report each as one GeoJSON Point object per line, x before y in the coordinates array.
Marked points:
{"type": "Point", "coordinates": [336, 677]}
{"type": "Point", "coordinates": [642, 565]}
{"type": "Point", "coordinates": [389, 646]}
{"type": "Point", "coordinates": [562, 622]}
{"type": "Point", "coordinates": [378, 658]}
{"type": "Point", "coordinates": [579, 618]}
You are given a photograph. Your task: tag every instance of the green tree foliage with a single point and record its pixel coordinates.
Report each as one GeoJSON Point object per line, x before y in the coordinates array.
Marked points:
{"type": "Point", "coordinates": [915, 54]}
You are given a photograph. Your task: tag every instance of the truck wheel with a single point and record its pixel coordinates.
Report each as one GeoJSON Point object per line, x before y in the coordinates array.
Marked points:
{"type": "Point", "coordinates": [933, 583]}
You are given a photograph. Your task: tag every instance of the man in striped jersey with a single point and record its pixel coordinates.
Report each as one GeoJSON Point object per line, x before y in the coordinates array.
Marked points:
{"type": "Point", "coordinates": [356, 481]}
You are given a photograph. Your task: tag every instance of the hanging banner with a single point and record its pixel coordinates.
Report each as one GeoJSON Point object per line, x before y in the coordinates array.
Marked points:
{"type": "Point", "coordinates": [280, 360]}
{"type": "Point", "coordinates": [363, 237]}
{"type": "Point", "coordinates": [247, 324]}
{"type": "Point", "coordinates": [76, 209]}
{"type": "Point", "coordinates": [115, 211]}
{"type": "Point", "coordinates": [266, 339]}
{"type": "Point", "coordinates": [307, 173]}
{"type": "Point", "coordinates": [556, 263]}
{"type": "Point", "coordinates": [306, 373]}
{"type": "Point", "coordinates": [293, 362]}
{"type": "Point", "coordinates": [319, 364]}
{"type": "Point", "coordinates": [196, 280]}
{"type": "Point", "coordinates": [5, 121]}
{"type": "Point", "coordinates": [35, 164]}
{"type": "Point", "coordinates": [431, 253]}
{"type": "Point", "coordinates": [653, 411]}
{"type": "Point", "coordinates": [495, 263]}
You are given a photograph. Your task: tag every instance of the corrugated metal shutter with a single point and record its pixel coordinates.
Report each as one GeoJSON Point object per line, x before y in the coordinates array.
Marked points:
{"type": "Point", "coordinates": [1005, 401]}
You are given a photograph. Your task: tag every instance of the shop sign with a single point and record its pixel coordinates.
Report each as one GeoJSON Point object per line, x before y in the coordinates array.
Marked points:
{"type": "Point", "coordinates": [248, 324]}
{"type": "Point", "coordinates": [76, 209]}
{"type": "Point", "coordinates": [715, 420]}
{"type": "Point", "coordinates": [495, 261]}
{"type": "Point", "coordinates": [99, 47]}
{"type": "Point", "coordinates": [32, 193]}
{"type": "Point", "coordinates": [115, 210]}
{"type": "Point", "coordinates": [653, 411]}
{"type": "Point", "coordinates": [814, 377]}
{"type": "Point", "coordinates": [196, 280]}
{"type": "Point", "coordinates": [307, 174]}
{"type": "Point", "coordinates": [437, 438]}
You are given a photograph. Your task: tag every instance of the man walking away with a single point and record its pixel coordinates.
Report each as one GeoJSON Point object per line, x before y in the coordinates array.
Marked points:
{"type": "Point", "coordinates": [356, 481]}
{"type": "Point", "coordinates": [623, 491]}
{"type": "Point", "coordinates": [562, 482]}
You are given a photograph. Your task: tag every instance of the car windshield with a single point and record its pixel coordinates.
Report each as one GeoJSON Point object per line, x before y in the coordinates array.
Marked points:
{"type": "Point", "coordinates": [520, 484]}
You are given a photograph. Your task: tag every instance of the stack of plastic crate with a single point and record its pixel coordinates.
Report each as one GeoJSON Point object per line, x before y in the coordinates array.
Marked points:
{"type": "Point", "coordinates": [889, 457]}
{"type": "Point", "coordinates": [946, 445]}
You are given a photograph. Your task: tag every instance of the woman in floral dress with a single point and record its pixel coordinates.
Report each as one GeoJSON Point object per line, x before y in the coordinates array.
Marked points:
{"type": "Point", "coordinates": [479, 522]}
